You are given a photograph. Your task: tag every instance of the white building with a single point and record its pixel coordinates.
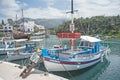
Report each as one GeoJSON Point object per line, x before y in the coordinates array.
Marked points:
{"type": "Point", "coordinates": [7, 27]}
{"type": "Point", "coordinates": [28, 26]}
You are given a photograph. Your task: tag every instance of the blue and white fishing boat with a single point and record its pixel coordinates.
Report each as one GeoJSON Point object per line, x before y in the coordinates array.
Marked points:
{"type": "Point", "coordinates": [17, 54]}
{"type": "Point", "coordinates": [62, 58]}
{"type": "Point", "coordinates": [11, 45]}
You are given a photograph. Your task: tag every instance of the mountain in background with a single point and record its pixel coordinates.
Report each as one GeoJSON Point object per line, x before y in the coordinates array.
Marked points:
{"type": "Point", "coordinates": [48, 23]}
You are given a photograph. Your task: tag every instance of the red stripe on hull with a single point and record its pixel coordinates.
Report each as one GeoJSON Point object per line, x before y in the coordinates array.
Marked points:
{"type": "Point", "coordinates": [71, 63]}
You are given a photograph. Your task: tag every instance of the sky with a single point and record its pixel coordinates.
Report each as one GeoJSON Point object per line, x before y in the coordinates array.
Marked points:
{"type": "Point", "coordinates": [57, 8]}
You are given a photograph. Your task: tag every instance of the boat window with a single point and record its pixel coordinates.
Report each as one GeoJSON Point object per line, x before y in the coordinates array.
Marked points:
{"type": "Point", "coordinates": [91, 44]}
{"type": "Point", "coordinates": [7, 43]}
{"type": "Point", "coordinates": [81, 44]}
{"type": "Point", "coordinates": [57, 46]}
{"type": "Point", "coordinates": [9, 27]}
{"type": "Point", "coordinates": [86, 43]}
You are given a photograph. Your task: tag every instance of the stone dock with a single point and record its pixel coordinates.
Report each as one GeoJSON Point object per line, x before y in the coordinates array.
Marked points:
{"type": "Point", "coordinates": [11, 71]}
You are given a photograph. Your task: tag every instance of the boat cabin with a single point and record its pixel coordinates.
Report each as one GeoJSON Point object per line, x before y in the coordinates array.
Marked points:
{"type": "Point", "coordinates": [90, 44]}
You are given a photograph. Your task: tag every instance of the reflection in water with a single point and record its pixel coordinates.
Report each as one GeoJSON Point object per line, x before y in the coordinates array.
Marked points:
{"type": "Point", "coordinates": [113, 70]}
{"type": "Point", "coordinates": [2, 57]}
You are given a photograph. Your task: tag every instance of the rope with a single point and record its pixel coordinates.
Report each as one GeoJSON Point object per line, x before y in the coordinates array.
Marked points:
{"type": "Point", "coordinates": [66, 69]}
{"type": "Point", "coordinates": [67, 72]}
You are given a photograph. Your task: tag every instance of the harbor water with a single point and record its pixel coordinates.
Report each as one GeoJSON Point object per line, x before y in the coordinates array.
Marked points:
{"type": "Point", "coordinates": [109, 69]}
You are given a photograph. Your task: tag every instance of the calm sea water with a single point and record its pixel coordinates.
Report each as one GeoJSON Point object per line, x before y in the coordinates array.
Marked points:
{"type": "Point", "coordinates": [107, 70]}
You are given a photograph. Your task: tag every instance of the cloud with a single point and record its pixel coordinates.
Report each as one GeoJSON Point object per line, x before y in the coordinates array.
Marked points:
{"type": "Point", "coordinates": [48, 12]}
{"type": "Point", "coordinates": [8, 7]}
{"type": "Point", "coordinates": [50, 2]}
{"type": "Point", "coordinates": [54, 9]}
{"type": "Point", "coordinates": [89, 8]}
{"type": "Point", "coordinates": [21, 4]}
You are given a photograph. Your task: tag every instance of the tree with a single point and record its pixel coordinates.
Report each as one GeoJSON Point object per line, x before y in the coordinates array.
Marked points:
{"type": "Point", "coordinates": [3, 22]}
{"type": "Point", "coordinates": [104, 25]}
{"type": "Point", "coordinates": [36, 29]}
{"type": "Point", "coordinates": [10, 21]}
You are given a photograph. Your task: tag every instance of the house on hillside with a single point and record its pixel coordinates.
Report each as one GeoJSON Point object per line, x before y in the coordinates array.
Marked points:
{"type": "Point", "coordinates": [7, 28]}
{"type": "Point", "coordinates": [28, 26]}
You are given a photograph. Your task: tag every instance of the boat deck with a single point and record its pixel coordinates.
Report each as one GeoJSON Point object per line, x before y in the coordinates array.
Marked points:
{"type": "Point", "coordinates": [11, 71]}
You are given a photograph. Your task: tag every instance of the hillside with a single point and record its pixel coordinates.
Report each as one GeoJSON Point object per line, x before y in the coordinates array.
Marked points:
{"type": "Point", "coordinates": [48, 23]}
{"type": "Point", "coordinates": [104, 25]}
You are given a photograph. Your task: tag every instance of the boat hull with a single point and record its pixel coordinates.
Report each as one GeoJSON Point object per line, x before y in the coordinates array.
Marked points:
{"type": "Point", "coordinates": [3, 52]}
{"type": "Point", "coordinates": [21, 36]}
{"type": "Point", "coordinates": [61, 65]}
{"type": "Point", "coordinates": [13, 57]}
{"type": "Point", "coordinates": [51, 66]}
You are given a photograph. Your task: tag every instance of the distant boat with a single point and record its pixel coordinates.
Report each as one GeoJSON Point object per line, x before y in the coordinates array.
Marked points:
{"type": "Point", "coordinates": [63, 58]}
{"type": "Point", "coordinates": [22, 50]}
{"type": "Point", "coordinates": [10, 44]}
{"type": "Point", "coordinates": [20, 34]}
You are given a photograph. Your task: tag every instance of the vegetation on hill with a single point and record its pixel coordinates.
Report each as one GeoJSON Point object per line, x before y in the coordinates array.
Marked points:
{"type": "Point", "coordinates": [103, 25]}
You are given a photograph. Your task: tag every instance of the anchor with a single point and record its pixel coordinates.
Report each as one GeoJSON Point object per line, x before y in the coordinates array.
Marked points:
{"type": "Point", "coordinates": [34, 59]}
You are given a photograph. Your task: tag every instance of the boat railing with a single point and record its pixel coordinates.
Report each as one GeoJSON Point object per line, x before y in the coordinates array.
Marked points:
{"type": "Point", "coordinates": [84, 56]}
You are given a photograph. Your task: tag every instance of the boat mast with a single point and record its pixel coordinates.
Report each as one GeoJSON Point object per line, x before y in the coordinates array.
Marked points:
{"type": "Point", "coordinates": [72, 21]}
{"type": "Point", "coordinates": [23, 21]}
{"type": "Point", "coordinates": [71, 35]}
{"type": "Point", "coordinates": [16, 23]}
{"type": "Point", "coordinates": [72, 40]}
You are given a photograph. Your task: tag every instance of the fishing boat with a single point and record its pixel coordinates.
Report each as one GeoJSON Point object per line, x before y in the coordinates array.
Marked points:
{"type": "Point", "coordinates": [63, 58]}
{"type": "Point", "coordinates": [30, 47]}
{"type": "Point", "coordinates": [11, 45]}
{"type": "Point", "coordinates": [14, 47]}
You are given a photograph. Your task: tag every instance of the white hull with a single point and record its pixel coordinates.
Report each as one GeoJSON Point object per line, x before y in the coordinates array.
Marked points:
{"type": "Point", "coordinates": [53, 66]}
{"type": "Point", "coordinates": [63, 67]}
{"type": "Point", "coordinates": [5, 50]}
{"type": "Point", "coordinates": [11, 49]}
{"type": "Point", "coordinates": [12, 57]}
